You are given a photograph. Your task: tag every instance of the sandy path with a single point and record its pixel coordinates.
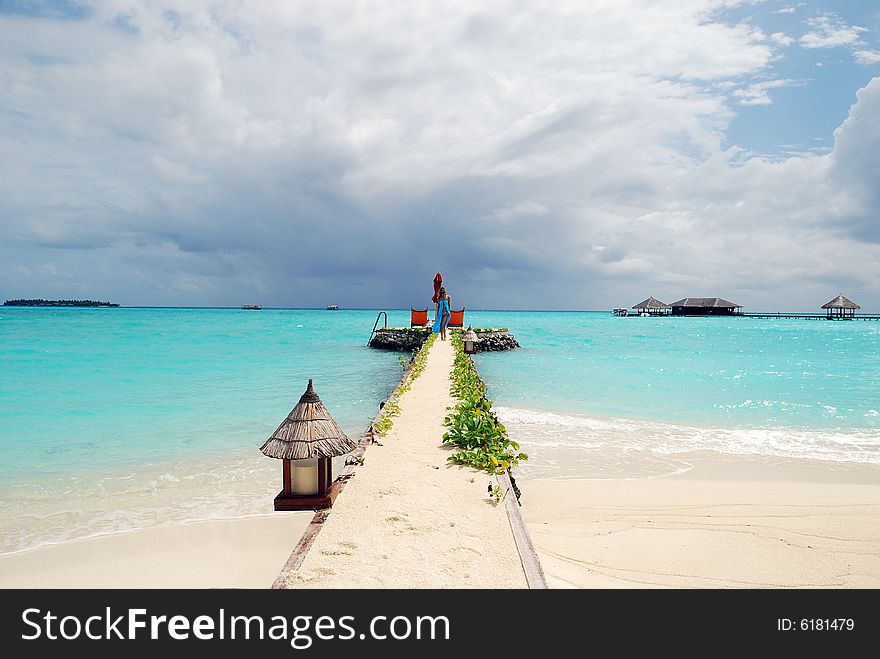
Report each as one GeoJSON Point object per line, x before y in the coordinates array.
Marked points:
{"type": "Point", "coordinates": [408, 519]}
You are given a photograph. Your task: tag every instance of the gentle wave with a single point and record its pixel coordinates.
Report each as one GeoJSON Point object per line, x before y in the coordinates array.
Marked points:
{"type": "Point", "coordinates": [589, 445]}
{"type": "Point", "coordinates": [48, 513]}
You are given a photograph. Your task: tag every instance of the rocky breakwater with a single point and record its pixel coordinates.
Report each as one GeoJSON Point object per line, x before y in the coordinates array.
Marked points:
{"type": "Point", "coordinates": [409, 339]}
{"type": "Point", "coordinates": [401, 339]}
{"type": "Point", "coordinates": [491, 340]}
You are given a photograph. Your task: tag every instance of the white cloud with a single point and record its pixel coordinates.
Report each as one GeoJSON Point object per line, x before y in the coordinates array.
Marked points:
{"type": "Point", "coordinates": [867, 56]}
{"type": "Point", "coordinates": [781, 38]}
{"type": "Point", "coordinates": [855, 165]}
{"type": "Point", "coordinates": [785, 10]}
{"type": "Point", "coordinates": [174, 171]}
{"type": "Point", "coordinates": [303, 149]}
{"type": "Point", "coordinates": [758, 93]}
{"type": "Point", "coordinates": [524, 209]}
{"type": "Point", "coordinates": [830, 32]}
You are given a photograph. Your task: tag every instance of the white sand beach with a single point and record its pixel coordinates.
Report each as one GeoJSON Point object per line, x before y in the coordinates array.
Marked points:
{"type": "Point", "coordinates": [409, 519]}
{"type": "Point", "coordinates": [236, 553]}
{"type": "Point", "coordinates": [730, 522]}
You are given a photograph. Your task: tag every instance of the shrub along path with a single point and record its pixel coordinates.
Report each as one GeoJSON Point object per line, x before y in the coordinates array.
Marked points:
{"type": "Point", "coordinates": [409, 518]}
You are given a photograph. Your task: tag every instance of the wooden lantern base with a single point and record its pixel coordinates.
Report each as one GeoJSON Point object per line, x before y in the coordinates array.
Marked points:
{"type": "Point", "coordinates": [287, 500]}
{"type": "Point", "coordinates": [307, 501]}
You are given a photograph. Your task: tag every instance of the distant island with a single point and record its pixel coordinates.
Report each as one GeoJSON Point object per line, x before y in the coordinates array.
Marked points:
{"type": "Point", "coordinates": [57, 303]}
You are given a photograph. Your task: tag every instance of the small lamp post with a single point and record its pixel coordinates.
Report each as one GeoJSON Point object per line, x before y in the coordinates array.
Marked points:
{"type": "Point", "coordinates": [306, 441]}
{"type": "Point", "coordinates": [470, 339]}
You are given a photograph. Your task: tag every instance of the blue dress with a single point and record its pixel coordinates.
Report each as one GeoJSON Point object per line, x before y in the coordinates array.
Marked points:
{"type": "Point", "coordinates": [442, 310]}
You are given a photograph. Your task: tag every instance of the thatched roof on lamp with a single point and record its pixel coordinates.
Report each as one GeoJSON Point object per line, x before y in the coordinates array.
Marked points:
{"type": "Point", "coordinates": [841, 302]}
{"type": "Point", "coordinates": [308, 432]}
{"type": "Point", "coordinates": [651, 303]}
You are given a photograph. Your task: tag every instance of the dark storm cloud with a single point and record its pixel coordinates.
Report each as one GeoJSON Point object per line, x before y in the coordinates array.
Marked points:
{"type": "Point", "coordinates": [304, 153]}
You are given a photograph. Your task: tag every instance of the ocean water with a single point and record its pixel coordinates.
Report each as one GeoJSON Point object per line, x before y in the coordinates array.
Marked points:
{"type": "Point", "coordinates": [592, 395]}
{"type": "Point", "coordinates": [116, 419]}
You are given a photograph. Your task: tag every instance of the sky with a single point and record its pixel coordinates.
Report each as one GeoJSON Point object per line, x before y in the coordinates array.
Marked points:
{"type": "Point", "coordinates": [582, 156]}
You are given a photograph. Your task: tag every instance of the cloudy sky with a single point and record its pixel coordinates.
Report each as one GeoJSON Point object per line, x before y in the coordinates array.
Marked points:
{"type": "Point", "coordinates": [221, 152]}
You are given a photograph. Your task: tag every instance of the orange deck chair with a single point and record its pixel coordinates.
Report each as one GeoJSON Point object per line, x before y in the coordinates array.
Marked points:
{"type": "Point", "coordinates": [418, 317]}
{"type": "Point", "coordinates": [456, 318]}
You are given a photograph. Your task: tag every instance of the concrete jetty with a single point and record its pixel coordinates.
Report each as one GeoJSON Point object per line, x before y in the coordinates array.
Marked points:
{"type": "Point", "coordinates": [408, 518]}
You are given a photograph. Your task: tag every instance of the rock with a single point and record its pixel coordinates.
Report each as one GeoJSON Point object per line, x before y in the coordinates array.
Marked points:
{"type": "Point", "coordinates": [400, 340]}
{"type": "Point", "coordinates": [410, 339]}
{"type": "Point", "coordinates": [496, 341]}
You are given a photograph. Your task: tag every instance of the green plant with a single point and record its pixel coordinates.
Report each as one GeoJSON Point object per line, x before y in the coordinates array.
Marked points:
{"type": "Point", "coordinates": [420, 359]}
{"type": "Point", "coordinates": [384, 423]}
{"type": "Point", "coordinates": [391, 409]}
{"type": "Point", "coordinates": [496, 493]}
{"type": "Point", "coordinates": [473, 427]}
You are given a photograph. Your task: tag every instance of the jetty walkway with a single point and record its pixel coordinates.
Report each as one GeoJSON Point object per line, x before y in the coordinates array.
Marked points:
{"type": "Point", "coordinates": [408, 518]}
{"type": "Point", "coordinates": [808, 316]}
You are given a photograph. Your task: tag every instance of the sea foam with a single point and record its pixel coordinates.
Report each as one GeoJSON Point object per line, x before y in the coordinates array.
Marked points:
{"type": "Point", "coordinates": [593, 445]}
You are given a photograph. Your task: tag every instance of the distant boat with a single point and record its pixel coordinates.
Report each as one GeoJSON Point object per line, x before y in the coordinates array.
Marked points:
{"type": "Point", "coordinates": [255, 307]}
{"type": "Point", "coordinates": [620, 311]}
{"type": "Point", "coordinates": [332, 307]}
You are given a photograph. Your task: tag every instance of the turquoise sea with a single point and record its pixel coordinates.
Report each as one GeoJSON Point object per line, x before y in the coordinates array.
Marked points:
{"type": "Point", "coordinates": [115, 419]}
{"type": "Point", "coordinates": [592, 395]}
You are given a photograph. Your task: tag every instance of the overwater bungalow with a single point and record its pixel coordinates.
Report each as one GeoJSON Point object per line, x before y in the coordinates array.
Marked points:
{"type": "Point", "coordinates": [705, 306]}
{"type": "Point", "coordinates": [840, 308]}
{"type": "Point", "coordinates": [652, 307]}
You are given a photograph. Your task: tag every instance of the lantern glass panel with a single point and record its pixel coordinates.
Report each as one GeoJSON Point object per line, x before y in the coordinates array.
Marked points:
{"type": "Point", "coordinates": [304, 476]}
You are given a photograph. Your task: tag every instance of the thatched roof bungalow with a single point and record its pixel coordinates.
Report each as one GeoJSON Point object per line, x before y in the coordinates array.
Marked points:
{"type": "Point", "coordinates": [705, 306]}
{"type": "Point", "coordinates": [840, 307]}
{"type": "Point", "coordinates": [653, 307]}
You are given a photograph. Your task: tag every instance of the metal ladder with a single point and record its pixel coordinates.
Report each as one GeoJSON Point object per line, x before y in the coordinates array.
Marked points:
{"type": "Point", "coordinates": [378, 316]}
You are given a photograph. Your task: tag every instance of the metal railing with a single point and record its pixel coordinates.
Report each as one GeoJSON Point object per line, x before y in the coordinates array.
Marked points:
{"type": "Point", "coordinates": [378, 316]}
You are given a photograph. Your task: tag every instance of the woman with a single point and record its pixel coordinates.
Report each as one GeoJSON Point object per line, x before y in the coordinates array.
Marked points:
{"type": "Point", "coordinates": [441, 314]}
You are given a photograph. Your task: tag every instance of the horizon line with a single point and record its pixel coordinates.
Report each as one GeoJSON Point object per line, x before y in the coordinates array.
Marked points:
{"type": "Point", "coordinates": [819, 312]}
